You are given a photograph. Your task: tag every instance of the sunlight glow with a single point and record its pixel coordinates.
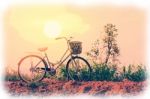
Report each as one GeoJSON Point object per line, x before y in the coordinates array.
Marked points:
{"type": "Point", "coordinates": [52, 29]}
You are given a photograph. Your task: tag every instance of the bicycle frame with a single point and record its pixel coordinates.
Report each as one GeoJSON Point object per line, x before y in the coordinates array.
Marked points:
{"type": "Point", "coordinates": [62, 59]}
{"type": "Point", "coordinates": [59, 63]}
{"type": "Point", "coordinates": [73, 66]}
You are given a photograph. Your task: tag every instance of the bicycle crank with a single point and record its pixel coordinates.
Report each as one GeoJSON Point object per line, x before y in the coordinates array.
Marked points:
{"type": "Point", "coordinates": [52, 72]}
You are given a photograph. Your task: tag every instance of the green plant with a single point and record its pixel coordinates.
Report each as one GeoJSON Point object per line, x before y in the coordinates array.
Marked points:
{"type": "Point", "coordinates": [139, 75]}
{"type": "Point", "coordinates": [83, 74]}
{"type": "Point", "coordinates": [47, 75]}
{"type": "Point", "coordinates": [12, 78]}
{"type": "Point", "coordinates": [118, 77]}
{"type": "Point", "coordinates": [103, 72]}
{"type": "Point", "coordinates": [62, 73]}
{"type": "Point", "coordinates": [11, 75]}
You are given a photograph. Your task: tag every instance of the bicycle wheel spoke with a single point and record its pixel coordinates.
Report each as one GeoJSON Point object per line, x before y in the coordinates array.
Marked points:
{"type": "Point", "coordinates": [32, 76]}
{"type": "Point", "coordinates": [37, 64]}
{"type": "Point", "coordinates": [70, 70]}
{"type": "Point", "coordinates": [78, 69]}
{"type": "Point", "coordinates": [78, 75]}
{"type": "Point", "coordinates": [28, 66]}
{"type": "Point", "coordinates": [31, 61]}
{"type": "Point", "coordinates": [75, 66]}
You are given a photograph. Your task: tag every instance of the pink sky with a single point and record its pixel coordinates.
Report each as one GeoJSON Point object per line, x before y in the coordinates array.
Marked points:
{"type": "Point", "coordinates": [19, 21]}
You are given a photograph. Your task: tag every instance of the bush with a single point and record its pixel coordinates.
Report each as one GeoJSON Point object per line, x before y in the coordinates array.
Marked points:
{"type": "Point", "coordinates": [11, 75]}
{"type": "Point", "coordinates": [63, 74]}
{"type": "Point", "coordinates": [102, 72]}
{"type": "Point", "coordinates": [12, 78]}
{"type": "Point", "coordinates": [118, 77]}
{"type": "Point", "coordinates": [84, 74]}
{"type": "Point", "coordinates": [139, 75]}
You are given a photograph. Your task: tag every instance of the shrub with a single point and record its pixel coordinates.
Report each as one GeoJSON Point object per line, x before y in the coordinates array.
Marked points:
{"type": "Point", "coordinates": [62, 73]}
{"type": "Point", "coordinates": [11, 78]}
{"type": "Point", "coordinates": [139, 75]}
{"type": "Point", "coordinates": [117, 77]}
{"type": "Point", "coordinates": [84, 74]}
{"type": "Point", "coordinates": [11, 75]}
{"type": "Point", "coordinates": [102, 72]}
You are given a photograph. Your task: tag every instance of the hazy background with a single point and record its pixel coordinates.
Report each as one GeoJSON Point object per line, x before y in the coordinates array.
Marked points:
{"type": "Point", "coordinates": [24, 30]}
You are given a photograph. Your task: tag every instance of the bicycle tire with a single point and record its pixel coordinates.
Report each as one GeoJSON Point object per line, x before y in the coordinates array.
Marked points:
{"type": "Point", "coordinates": [84, 76]}
{"type": "Point", "coordinates": [29, 56]}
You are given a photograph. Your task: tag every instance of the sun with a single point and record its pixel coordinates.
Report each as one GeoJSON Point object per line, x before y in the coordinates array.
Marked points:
{"type": "Point", "coordinates": [52, 29]}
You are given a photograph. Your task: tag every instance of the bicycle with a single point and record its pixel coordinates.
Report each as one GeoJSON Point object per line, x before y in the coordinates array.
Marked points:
{"type": "Point", "coordinates": [33, 68]}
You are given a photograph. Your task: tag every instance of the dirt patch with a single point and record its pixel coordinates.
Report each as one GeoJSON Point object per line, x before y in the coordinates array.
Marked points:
{"type": "Point", "coordinates": [54, 87]}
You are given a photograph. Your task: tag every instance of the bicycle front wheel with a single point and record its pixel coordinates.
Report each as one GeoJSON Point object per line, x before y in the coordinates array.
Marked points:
{"type": "Point", "coordinates": [32, 68]}
{"type": "Point", "coordinates": [78, 69]}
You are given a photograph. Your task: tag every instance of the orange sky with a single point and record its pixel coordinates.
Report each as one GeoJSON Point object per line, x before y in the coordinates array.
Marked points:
{"type": "Point", "coordinates": [24, 28]}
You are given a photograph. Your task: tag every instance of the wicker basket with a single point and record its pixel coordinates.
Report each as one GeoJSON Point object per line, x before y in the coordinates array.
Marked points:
{"type": "Point", "coordinates": [76, 47]}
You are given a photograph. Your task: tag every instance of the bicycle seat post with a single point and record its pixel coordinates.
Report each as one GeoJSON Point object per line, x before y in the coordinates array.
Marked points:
{"type": "Point", "coordinates": [47, 59]}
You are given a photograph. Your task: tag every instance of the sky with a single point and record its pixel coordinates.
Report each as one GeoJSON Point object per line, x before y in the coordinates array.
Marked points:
{"type": "Point", "coordinates": [30, 27]}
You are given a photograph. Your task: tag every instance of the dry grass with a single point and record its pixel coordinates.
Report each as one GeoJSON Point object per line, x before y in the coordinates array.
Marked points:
{"type": "Point", "coordinates": [11, 74]}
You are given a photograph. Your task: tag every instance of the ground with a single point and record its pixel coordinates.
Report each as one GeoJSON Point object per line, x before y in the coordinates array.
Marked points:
{"type": "Point", "coordinates": [49, 87]}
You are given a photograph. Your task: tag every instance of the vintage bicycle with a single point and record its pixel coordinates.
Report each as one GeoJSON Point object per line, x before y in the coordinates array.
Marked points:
{"type": "Point", "coordinates": [33, 68]}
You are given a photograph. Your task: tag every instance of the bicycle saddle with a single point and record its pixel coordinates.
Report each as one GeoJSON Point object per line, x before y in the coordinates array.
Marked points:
{"type": "Point", "coordinates": [43, 49]}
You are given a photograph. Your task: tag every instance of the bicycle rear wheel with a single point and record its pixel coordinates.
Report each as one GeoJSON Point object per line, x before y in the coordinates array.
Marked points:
{"type": "Point", "coordinates": [32, 68]}
{"type": "Point", "coordinates": [78, 69]}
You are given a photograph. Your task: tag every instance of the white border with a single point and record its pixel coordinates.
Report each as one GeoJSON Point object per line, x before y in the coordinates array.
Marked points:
{"type": "Point", "coordinates": [143, 4]}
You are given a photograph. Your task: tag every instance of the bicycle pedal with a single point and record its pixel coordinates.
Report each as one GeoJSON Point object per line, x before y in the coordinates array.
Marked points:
{"type": "Point", "coordinates": [52, 72]}
{"type": "Point", "coordinates": [48, 69]}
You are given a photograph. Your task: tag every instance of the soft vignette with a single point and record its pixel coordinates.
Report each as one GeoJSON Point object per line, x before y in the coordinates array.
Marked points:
{"type": "Point", "coordinates": [138, 3]}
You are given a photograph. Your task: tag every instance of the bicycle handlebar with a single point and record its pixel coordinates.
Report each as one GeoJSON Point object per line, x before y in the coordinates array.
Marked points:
{"type": "Point", "coordinates": [64, 38]}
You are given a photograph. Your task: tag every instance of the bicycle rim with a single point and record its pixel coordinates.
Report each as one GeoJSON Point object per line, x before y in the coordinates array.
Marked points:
{"type": "Point", "coordinates": [78, 69]}
{"type": "Point", "coordinates": [32, 68]}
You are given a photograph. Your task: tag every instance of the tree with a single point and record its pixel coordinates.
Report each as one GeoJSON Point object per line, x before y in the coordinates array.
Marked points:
{"type": "Point", "coordinates": [110, 43]}
{"type": "Point", "coordinates": [95, 53]}
{"type": "Point", "coordinates": [107, 52]}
